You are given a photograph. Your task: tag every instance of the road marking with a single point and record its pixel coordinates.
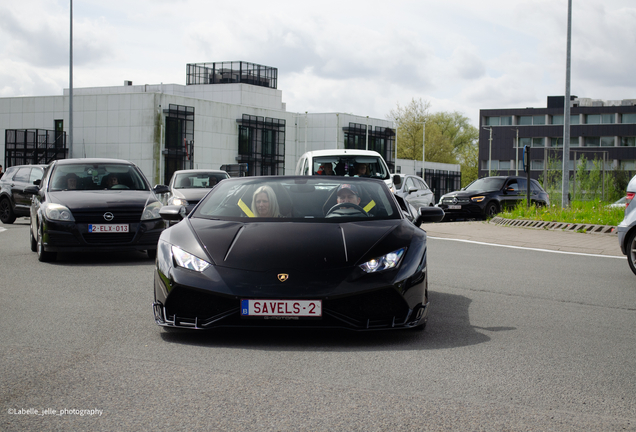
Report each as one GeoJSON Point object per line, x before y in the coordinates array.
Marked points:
{"type": "Point", "coordinates": [528, 248]}
{"type": "Point", "coordinates": [2, 229]}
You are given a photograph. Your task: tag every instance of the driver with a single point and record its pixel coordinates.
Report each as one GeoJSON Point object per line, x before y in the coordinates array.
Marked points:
{"type": "Point", "coordinates": [348, 193]}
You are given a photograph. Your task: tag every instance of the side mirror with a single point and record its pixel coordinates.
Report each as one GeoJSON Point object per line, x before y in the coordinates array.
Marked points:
{"type": "Point", "coordinates": [173, 212]}
{"type": "Point", "coordinates": [413, 189]}
{"type": "Point", "coordinates": [31, 190]}
{"type": "Point", "coordinates": [429, 215]}
{"type": "Point", "coordinates": [161, 189]}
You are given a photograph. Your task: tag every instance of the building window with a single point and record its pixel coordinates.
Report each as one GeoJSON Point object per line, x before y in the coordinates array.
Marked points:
{"type": "Point", "coordinates": [629, 165]}
{"type": "Point", "coordinates": [398, 170]}
{"type": "Point", "coordinates": [629, 118]}
{"type": "Point", "coordinates": [556, 120]}
{"type": "Point", "coordinates": [261, 145]}
{"type": "Point", "coordinates": [574, 119]}
{"type": "Point", "coordinates": [538, 119]}
{"type": "Point", "coordinates": [607, 141]}
{"type": "Point", "coordinates": [525, 142]}
{"type": "Point", "coordinates": [504, 165]}
{"type": "Point", "coordinates": [592, 141]}
{"type": "Point", "coordinates": [608, 118]}
{"type": "Point", "coordinates": [536, 165]}
{"type": "Point", "coordinates": [506, 121]}
{"type": "Point", "coordinates": [628, 142]}
{"type": "Point", "coordinates": [494, 165]}
{"type": "Point", "coordinates": [558, 142]}
{"type": "Point", "coordinates": [593, 119]}
{"type": "Point", "coordinates": [538, 142]}
{"type": "Point", "coordinates": [525, 120]}
{"type": "Point", "coordinates": [492, 121]}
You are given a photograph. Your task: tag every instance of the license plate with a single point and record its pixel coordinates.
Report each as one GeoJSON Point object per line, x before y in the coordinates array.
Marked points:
{"type": "Point", "coordinates": [107, 228]}
{"type": "Point", "coordinates": [281, 308]}
{"type": "Point", "coordinates": [454, 207]}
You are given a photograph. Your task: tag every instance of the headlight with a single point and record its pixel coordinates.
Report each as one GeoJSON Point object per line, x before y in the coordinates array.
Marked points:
{"type": "Point", "coordinates": [177, 201]}
{"type": "Point", "coordinates": [189, 261]}
{"type": "Point", "coordinates": [151, 211]}
{"type": "Point", "coordinates": [58, 212]}
{"type": "Point", "coordinates": [385, 262]}
{"type": "Point", "coordinates": [478, 198]}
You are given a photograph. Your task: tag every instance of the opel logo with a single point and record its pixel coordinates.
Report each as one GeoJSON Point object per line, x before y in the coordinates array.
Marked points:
{"type": "Point", "coordinates": [108, 216]}
{"type": "Point", "coordinates": [283, 277]}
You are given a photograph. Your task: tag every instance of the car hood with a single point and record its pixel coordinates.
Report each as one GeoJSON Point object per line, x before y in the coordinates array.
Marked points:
{"type": "Point", "coordinates": [264, 246]}
{"type": "Point", "coordinates": [102, 199]}
{"type": "Point", "coordinates": [190, 194]}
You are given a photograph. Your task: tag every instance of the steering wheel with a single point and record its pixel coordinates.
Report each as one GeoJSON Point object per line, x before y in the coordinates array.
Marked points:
{"type": "Point", "coordinates": [352, 206]}
{"type": "Point", "coordinates": [119, 186]}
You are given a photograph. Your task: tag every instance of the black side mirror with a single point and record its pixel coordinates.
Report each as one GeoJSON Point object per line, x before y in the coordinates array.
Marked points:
{"type": "Point", "coordinates": [161, 189]}
{"type": "Point", "coordinates": [31, 190]}
{"type": "Point", "coordinates": [173, 212]}
{"type": "Point", "coordinates": [429, 215]}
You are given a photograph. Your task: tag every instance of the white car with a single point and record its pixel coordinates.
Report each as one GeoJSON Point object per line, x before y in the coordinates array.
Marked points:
{"type": "Point", "coordinates": [627, 228]}
{"type": "Point", "coordinates": [347, 163]}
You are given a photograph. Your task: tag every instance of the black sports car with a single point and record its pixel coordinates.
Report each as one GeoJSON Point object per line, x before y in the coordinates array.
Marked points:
{"type": "Point", "coordinates": [89, 205]}
{"type": "Point", "coordinates": [485, 197]}
{"type": "Point", "coordinates": [298, 251]}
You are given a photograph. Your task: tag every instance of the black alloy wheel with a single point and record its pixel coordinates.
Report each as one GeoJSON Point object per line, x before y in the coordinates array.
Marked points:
{"type": "Point", "coordinates": [6, 212]}
{"type": "Point", "coordinates": [43, 256]}
{"type": "Point", "coordinates": [491, 209]}
{"type": "Point", "coordinates": [34, 242]}
{"type": "Point", "coordinates": [631, 250]}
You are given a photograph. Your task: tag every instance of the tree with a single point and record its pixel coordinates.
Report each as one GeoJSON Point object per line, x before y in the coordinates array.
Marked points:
{"type": "Point", "coordinates": [450, 138]}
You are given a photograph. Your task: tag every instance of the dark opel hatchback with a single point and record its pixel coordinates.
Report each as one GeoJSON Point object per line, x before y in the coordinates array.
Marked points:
{"type": "Point", "coordinates": [91, 205]}
{"type": "Point", "coordinates": [485, 197]}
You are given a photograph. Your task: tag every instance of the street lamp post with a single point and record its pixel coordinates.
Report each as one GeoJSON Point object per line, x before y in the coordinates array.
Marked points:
{"type": "Point", "coordinates": [423, 123]}
{"type": "Point", "coordinates": [70, 87]}
{"type": "Point", "coordinates": [489, 150]}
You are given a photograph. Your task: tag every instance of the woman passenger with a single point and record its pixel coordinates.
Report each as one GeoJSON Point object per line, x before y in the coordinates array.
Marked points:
{"type": "Point", "coordinates": [264, 203]}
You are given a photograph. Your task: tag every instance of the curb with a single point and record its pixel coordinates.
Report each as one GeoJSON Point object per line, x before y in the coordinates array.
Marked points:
{"type": "Point", "coordinates": [563, 226]}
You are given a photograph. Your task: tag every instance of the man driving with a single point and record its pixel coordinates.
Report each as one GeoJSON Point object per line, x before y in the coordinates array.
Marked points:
{"type": "Point", "coordinates": [348, 193]}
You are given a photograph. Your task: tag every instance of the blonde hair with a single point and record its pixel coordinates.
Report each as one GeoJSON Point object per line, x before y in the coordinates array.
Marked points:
{"type": "Point", "coordinates": [273, 203]}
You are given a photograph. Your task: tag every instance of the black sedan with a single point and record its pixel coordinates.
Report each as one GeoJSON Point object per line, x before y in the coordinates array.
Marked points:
{"type": "Point", "coordinates": [90, 205]}
{"type": "Point", "coordinates": [303, 251]}
{"type": "Point", "coordinates": [485, 197]}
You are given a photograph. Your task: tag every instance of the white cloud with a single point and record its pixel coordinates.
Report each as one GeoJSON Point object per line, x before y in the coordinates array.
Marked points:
{"type": "Point", "coordinates": [352, 56]}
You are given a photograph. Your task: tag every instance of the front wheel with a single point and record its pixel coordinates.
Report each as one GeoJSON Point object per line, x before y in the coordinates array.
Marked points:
{"type": "Point", "coordinates": [631, 250]}
{"type": "Point", "coordinates": [43, 256]}
{"type": "Point", "coordinates": [491, 209]}
{"type": "Point", "coordinates": [6, 212]}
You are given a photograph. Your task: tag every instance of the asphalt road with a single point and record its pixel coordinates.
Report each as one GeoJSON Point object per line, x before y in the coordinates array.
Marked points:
{"type": "Point", "coordinates": [517, 340]}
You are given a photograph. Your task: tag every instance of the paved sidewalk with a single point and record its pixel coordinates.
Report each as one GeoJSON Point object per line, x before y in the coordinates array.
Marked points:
{"type": "Point", "coordinates": [486, 232]}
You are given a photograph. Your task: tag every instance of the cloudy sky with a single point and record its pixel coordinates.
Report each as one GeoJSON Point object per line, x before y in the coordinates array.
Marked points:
{"type": "Point", "coordinates": [360, 57]}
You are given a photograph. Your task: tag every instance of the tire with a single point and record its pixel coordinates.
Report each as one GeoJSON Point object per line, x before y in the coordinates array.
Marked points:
{"type": "Point", "coordinates": [34, 242]}
{"type": "Point", "coordinates": [43, 256]}
{"type": "Point", "coordinates": [631, 250]}
{"type": "Point", "coordinates": [491, 209]}
{"type": "Point", "coordinates": [6, 212]}
{"type": "Point", "coordinates": [152, 253]}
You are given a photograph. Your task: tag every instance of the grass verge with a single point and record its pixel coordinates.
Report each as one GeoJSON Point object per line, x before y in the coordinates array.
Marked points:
{"type": "Point", "coordinates": [585, 212]}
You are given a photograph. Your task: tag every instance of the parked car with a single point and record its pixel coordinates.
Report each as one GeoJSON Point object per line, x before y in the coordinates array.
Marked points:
{"type": "Point", "coordinates": [187, 187]}
{"type": "Point", "coordinates": [414, 190]}
{"type": "Point", "coordinates": [14, 202]}
{"type": "Point", "coordinates": [348, 163]}
{"type": "Point", "coordinates": [620, 203]}
{"type": "Point", "coordinates": [626, 230]}
{"type": "Point", "coordinates": [485, 197]}
{"type": "Point", "coordinates": [293, 251]}
{"type": "Point", "coordinates": [90, 205]}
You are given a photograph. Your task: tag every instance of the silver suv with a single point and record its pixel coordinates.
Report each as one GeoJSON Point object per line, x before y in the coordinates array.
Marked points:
{"type": "Point", "coordinates": [627, 228]}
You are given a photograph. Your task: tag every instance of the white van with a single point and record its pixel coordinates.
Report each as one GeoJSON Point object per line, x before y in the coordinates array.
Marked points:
{"type": "Point", "coordinates": [348, 163]}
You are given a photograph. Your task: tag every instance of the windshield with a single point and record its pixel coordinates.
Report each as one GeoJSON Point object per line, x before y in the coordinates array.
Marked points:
{"type": "Point", "coordinates": [197, 180]}
{"type": "Point", "coordinates": [486, 184]}
{"type": "Point", "coordinates": [350, 166]}
{"type": "Point", "coordinates": [300, 198]}
{"type": "Point", "coordinates": [96, 176]}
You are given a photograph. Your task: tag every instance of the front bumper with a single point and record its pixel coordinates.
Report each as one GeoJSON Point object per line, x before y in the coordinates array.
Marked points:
{"type": "Point", "coordinates": [74, 237]}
